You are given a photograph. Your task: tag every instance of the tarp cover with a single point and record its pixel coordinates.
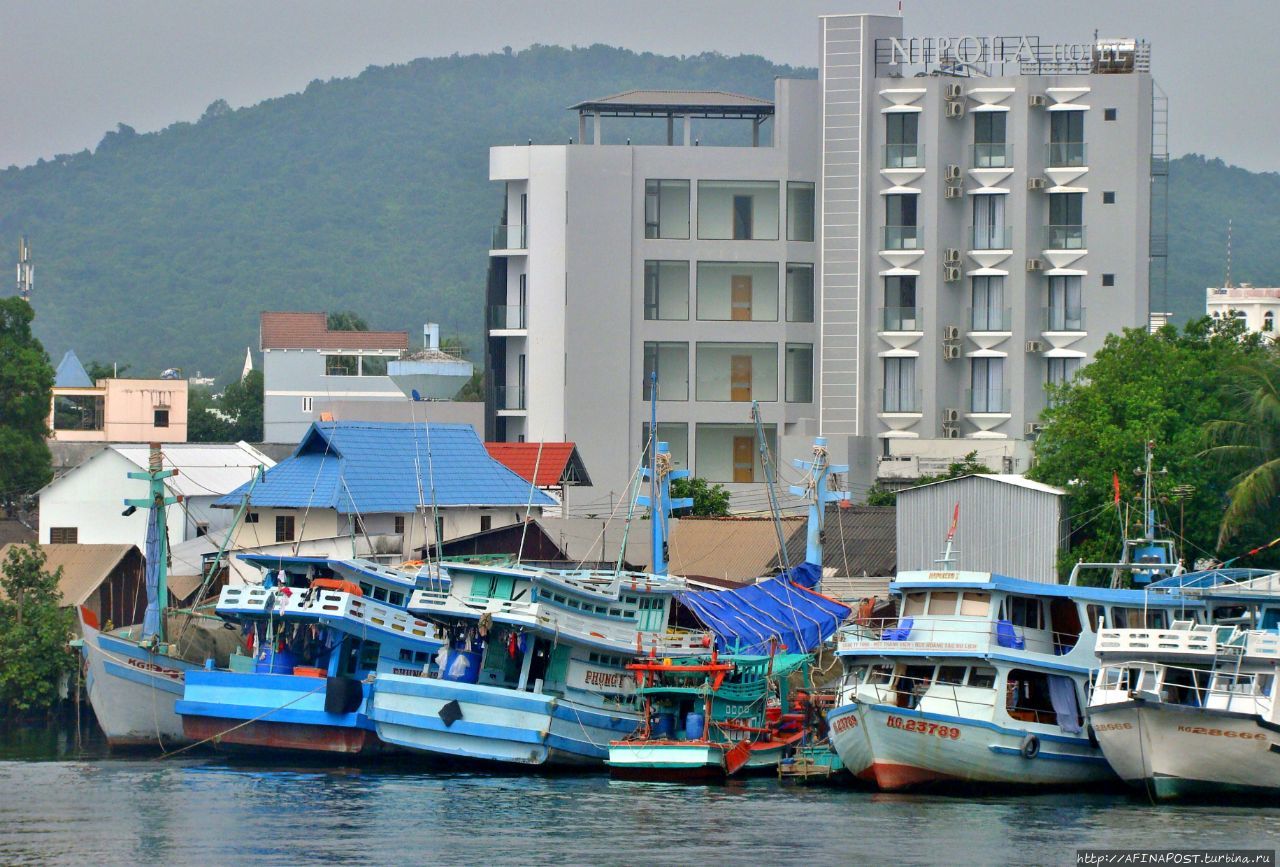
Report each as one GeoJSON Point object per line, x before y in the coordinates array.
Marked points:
{"type": "Point", "coordinates": [748, 619]}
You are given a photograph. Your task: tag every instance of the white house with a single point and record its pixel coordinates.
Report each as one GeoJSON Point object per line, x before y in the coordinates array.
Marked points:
{"type": "Point", "coordinates": [86, 504]}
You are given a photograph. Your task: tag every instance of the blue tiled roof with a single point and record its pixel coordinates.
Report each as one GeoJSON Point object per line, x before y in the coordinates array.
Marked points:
{"type": "Point", "coordinates": [71, 373]}
{"type": "Point", "coordinates": [373, 467]}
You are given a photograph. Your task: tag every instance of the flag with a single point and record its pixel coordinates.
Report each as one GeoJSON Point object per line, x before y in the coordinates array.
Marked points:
{"type": "Point", "coordinates": [1115, 485]}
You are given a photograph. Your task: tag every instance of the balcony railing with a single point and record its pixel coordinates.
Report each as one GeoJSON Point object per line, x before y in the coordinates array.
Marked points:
{"type": "Point", "coordinates": [990, 237]}
{"type": "Point", "coordinates": [509, 397]}
{"type": "Point", "coordinates": [986, 400]}
{"type": "Point", "coordinates": [899, 400]}
{"type": "Point", "coordinates": [1064, 238]}
{"type": "Point", "coordinates": [990, 318]}
{"type": "Point", "coordinates": [506, 316]}
{"type": "Point", "coordinates": [1062, 319]}
{"type": "Point", "coordinates": [903, 156]}
{"type": "Point", "coordinates": [901, 237]}
{"type": "Point", "coordinates": [992, 155]}
{"type": "Point", "coordinates": [900, 319]}
{"type": "Point", "coordinates": [509, 238]}
{"type": "Point", "coordinates": [1066, 155]}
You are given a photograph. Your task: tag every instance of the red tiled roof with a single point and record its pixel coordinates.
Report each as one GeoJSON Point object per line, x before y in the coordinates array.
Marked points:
{"type": "Point", "coordinates": [311, 331]}
{"type": "Point", "coordinates": [521, 458]}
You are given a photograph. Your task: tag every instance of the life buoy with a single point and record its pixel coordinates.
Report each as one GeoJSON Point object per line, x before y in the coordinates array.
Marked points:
{"type": "Point", "coordinates": [1030, 747]}
{"type": "Point", "coordinates": [339, 585]}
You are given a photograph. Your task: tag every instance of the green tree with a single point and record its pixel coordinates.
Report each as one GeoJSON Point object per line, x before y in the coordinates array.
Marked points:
{"type": "Point", "coordinates": [205, 423]}
{"type": "Point", "coordinates": [234, 415]}
{"type": "Point", "coordinates": [967, 466]}
{"type": "Point", "coordinates": [1163, 387]}
{"type": "Point", "coordinates": [473, 390]}
{"type": "Point", "coordinates": [99, 370]}
{"type": "Point", "coordinates": [26, 383]}
{"type": "Point", "coordinates": [709, 501]}
{"type": "Point", "coordinates": [1251, 442]}
{"type": "Point", "coordinates": [347, 320]}
{"type": "Point", "coordinates": [34, 630]}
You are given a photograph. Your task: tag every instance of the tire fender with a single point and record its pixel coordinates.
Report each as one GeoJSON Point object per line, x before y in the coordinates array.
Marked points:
{"type": "Point", "coordinates": [1030, 747]}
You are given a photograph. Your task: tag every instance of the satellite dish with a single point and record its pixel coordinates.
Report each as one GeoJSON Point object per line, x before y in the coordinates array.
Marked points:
{"type": "Point", "coordinates": [414, 394]}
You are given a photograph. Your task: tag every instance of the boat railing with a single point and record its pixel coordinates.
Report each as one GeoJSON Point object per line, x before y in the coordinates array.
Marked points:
{"type": "Point", "coordinates": [976, 634]}
{"type": "Point", "coordinates": [927, 694]}
{"type": "Point", "coordinates": [247, 599]}
{"type": "Point", "coordinates": [1195, 641]}
{"type": "Point", "coordinates": [1220, 687]}
{"type": "Point", "coordinates": [341, 605]}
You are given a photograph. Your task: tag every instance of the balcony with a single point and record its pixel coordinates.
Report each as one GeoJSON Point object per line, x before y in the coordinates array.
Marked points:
{"type": "Point", "coordinates": [988, 401]}
{"type": "Point", "coordinates": [992, 155]}
{"type": "Point", "coordinates": [990, 319]}
{"type": "Point", "coordinates": [1061, 319]}
{"type": "Point", "coordinates": [900, 237]}
{"type": "Point", "coordinates": [509, 398]}
{"type": "Point", "coordinates": [509, 238]}
{"type": "Point", "coordinates": [1064, 238]}
{"type": "Point", "coordinates": [900, 319]}
{"type": "Point", "coordinates": [1066, 155]}
{"type": "Point", "coordinates": [990, 237]}
{"type": "Point", "coordinates": [902, 156]}
{"type": "Point", "coordinates": [899, 400]}
{"type": "Point", "coordinates": [507, 317]}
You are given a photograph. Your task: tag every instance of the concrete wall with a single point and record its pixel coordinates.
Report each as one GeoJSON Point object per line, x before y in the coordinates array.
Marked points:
{"type": "Point", "coordinates": [129, 411]}
{"type": "Point", "coordinates": [291, 377]}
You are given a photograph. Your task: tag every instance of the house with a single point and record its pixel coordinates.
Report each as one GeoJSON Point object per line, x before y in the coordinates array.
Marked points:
{"type": "Point", "coordinates": [552, 467]}
{"type": "Point", "coordinates": [371, 487]}
{"type": "Point", "coordinates": [85, 504]}
{"type": "Point", "coordinates": [107, 579]}
{"type": "Point", "coordinates": [115, 410]}
{"type": "Point", "coordinates": [591, 543]}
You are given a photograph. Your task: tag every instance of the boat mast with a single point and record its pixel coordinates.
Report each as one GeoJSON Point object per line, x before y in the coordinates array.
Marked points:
{"type": "Point", "coordinates": [766, 461]}
{"type": "Point", "coordinates": [156, 502]}
{"type": "Point", "coordinates": [815, 490]}
{"type": "Point", "coordinates": [659, 474]}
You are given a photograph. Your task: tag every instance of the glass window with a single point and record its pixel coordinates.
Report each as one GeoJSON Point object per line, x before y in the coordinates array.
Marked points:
{"type": "Point", "coordinates": [943, 602]}
{"type": "Point", "coordinates": [1269, 321]}
{"type": "Point", "coordinates": [899, 312]}
{"type": "Point", "coordinates": [799, 292]}
{"type": "Point", "coordinates": [738, 291]}
{"type": "Point", "coordinates": [731, 453]}
{"type": "Point", "coordinates": [988, 312]}
{"type": "Point", "coordinates": [373, 365]}
{"type": "Point", "coordinates": [160, 418]}
{"type": "Point", "coordinates": [675, 435]}
{"type": "Point", "coordinates": [901, 231]}
{"type": "Point", "coordinates": [975, 604]}
{"type": "Point", "coordinates": [1066, 138]}
{"type": "Point", "coordinates": [1060, 371]}
{"type": "Point", "coordinates": [800, 205]}
{"type": "Point", "coordinates": [953, 674]}
{"type": "Point", "coordinates": [1024, 611]}
{"type": "Point", "coordinates": [284, 528]}
{"type": "Point", "coordinates": [989, 147]}
{"type": "Point", "coordinates": [982, 678]}
{"type": "Point", "coordinates": [78, 412]}
{"type": "Point", "coordinates": [671, 362]}
{"type": "Point", "coordinates": [986, 385]}
{"type": "Point", "coordinates": [738, 210]}
{"type": "Point", "coordinates": [666, 209]}
{"type": "Point", "coordinates": [666, 289]}
{"type": "Point", "coordinates": [989, 230]}
{"type": "Point", "coordinates": [902, 137]}
{"type": "Point", "coordinates": [799, 373]}
{"type": "Point", "coordinates": [899, 393]}
{"type": "Point", "coordinates": [342, 365]}
{"type": "Point", "coordinates": [737, 371]}
{"type": "Point", "coordinates": [1065, 312]}
{"type": "Point", "coordinates": [913, 604]}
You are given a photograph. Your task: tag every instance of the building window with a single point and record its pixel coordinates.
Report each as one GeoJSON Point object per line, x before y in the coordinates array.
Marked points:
{"type": "Point", "coordinates": [78, 412]}
{"type": "Point", "coordinates": [1066, 221]}
{"type": "Point", "coordinates": [342, 365]}
{"type": "Point", "coordinates": [738, 210]}
{"type": "Point", "coordinates": [1269, 321]}
{"type": "Point", "coordinates": [64, 535]}
{"type": "Point", "coordinates": [666, 209]}
{"type": "Point", "coordinates": [799, 373]}
{"type": "Point", "coordinates": [730, 452]}
{"type": "Point", "coordinates": [357, 525]}
{"type": "Point", "coordinates": [486, 523]}
{"type": "Point", "coordinates": [899, 393]}
{"type": "Point", "coordinates": [800, 211]}
{"type": "Point", "coordinates": [988, 312]}
{"type": "Point", "coordinates": [799, 292]}
{"type": "Point", "coordinates": [675, 435]}
{"type": "Point", "coordinates": [202, 529]}
{"type": "Point", "coordinates": [373, 365]}
{"type": "Point", "coordinates": [989, 148]}
{"type": "Point", "coordinates": [739, 372]}
{"type": "Point", "coordinates": [398, 525]}
{"type": "Point", "coordinates": [671, 362]}
{"type": "Point", "coordinates": [284, 528]}
{"type": "Point", "coordinates": [989, 231]}
{"type": "Point", "coordinates": [738, 291]}
{"type": "Point", "coordinates": [251, 517]}
{"type": "Point", "coordinates": [666, 290]}
{"type": "Point", "coordinates": [1059, 371]}
{"type": "Point", "coordinates": [1108, 279]}
{"type": "Point", "coordinates": [901, 231]}
{"type": "Point", "coordinates": [899, 312]}
{"type": "Point", "coordinates": [902, 141]}
{"type": "Point", "coordinates": [986, 386]}
{"type": "Point", "coordinates": [306, 404]}
{"type": "Point", "coordinates": [1066, 139]}
{"type": "Point", "coordinates": [160, 418]}
{"type": "Point", "coordinates": [1065, 312]}
{"type": "Point", "coordinates": [1108, 198]}
{"type": "Point", "coordinates": [1108, 114]}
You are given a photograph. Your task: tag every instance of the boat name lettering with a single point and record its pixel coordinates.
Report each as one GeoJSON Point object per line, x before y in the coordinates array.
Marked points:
{"type": "Point", "coordinates": [943, 576]}
{"type": "Point", "coordinates": [172, 674]}
{"type": "Point", "coordinates": [408, 672]}
{"type": "Point", "coordinates": [923, 727]}
{"type": "Point", "coordinates": [845, 723]}
{"type": "Point", "coordinates": [607, 679]}
{"type": "Point", "coordinates": [1222, 733]}
{"type": "Point", "coordinates": [926, 645]}
{"type": "Point", "coordinates": [1113, 727]}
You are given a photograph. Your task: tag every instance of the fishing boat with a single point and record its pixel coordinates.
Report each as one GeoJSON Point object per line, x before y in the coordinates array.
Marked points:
{"type": "Point", "coordinates": [317, 630]}
{"type": "Point", "coordinates": [136, 673]}
{"type": "Point", "coordinates": [1190, 710]}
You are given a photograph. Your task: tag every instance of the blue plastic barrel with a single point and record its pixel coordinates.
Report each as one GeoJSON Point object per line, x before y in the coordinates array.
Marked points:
{"type": "Point", "coordinates": [694, 723]}
{"type": "Point", "coordinates": [275, 662]}
{"type": "Point", "coordinates": [664, 725]}
{"type": "Point", "coordinates": [462, 666]}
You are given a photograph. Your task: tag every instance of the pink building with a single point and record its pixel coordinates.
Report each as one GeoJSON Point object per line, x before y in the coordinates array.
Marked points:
{"type": "Point", "coordinates": [121, 410]}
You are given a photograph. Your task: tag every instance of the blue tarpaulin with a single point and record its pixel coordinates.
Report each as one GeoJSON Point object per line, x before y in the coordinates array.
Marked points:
{"type": "Point", "coordinates": [770, 616]}
{"type": "Point", "coordinates": [151, 619]}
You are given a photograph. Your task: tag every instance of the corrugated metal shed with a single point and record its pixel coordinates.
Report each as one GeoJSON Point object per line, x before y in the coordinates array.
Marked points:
{"type": "Point", "coordinates": [735, 549]}
{"type": "Point", "coordinates": [84, 567]}
{"type": "Point", "coordinates": [204, 469]}
{"type": "Point", "coordinates": [1007, 525]}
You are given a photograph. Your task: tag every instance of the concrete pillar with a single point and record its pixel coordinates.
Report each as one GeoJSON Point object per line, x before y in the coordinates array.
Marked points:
{"type": "Point", "coordinates": [596, 135]}
{"type": "Point", "coordinates": [688, 130]}
{"type": "Point", "coordinates": [755, 133]}
{"type": "Point", "coordinates": [671, 129]}
{"type": "Point", "coordinates": [582, 128]}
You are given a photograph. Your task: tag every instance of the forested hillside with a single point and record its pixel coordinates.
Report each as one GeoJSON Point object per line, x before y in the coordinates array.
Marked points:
{"type": "Point", "coordinates": [371, 194]}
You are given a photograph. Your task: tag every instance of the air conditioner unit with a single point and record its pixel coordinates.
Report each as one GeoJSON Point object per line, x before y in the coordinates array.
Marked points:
{"type": "Point", "coordinates": [951, 256]}
{"type": "Point", "coordinates": [952, 173]}
{"type": "Point", "coordinates": [950, 332]}
{"type": "Point", "coordinates": [1035, 346]}
{"type": "Point", "coordinates": [953, 193]}
{"type": "Point", "coordinates": [951, 274]}
{"type": "Point", "coordinates": [1032, 428]}
{"type": "Point", "coordinates": [1035, 264]}
{"type": "Point", "coordinates": [950, 352]}
{"type": "Point", "coordinates": [955, 109]}
{"type": "Point", "coordinates": [953, 90]}
{"type": "Point", "coordinates": [950, 432]}
{"type": "Point", "coordinates": [1036, 183]}
{"type": "Point", "coordinates": [950, 415]}
{"type": "Point", "coordinates": [1037, 100]}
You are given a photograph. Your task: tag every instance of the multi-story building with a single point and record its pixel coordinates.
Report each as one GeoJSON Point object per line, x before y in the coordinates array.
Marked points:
{"type": "Point", "coordinates": [114, 409]}
{"type": "Point", "coordinates": [1256, 306]}
{"type": "Point", "coordinates": [911, 249]}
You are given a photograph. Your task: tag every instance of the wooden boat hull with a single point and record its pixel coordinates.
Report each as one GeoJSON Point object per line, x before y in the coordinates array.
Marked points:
{"type": "Point", "coordinates": [1174, 751]}
{"type": "Point", "coordinates": [693, 761]}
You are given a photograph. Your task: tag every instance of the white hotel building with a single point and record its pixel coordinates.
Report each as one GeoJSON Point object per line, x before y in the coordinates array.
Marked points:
{"type": "Point", "coordinates": [900, 255]}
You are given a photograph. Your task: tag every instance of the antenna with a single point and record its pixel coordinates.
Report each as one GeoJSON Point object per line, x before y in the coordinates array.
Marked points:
{"type": "Point", "coordinates": [1227, 285]}
{"type": "Point", "coordinates": [26, 271]}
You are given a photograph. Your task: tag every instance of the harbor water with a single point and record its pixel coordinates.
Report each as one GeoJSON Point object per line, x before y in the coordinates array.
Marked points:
{"type": "Point", "coordinates": [63, 805]}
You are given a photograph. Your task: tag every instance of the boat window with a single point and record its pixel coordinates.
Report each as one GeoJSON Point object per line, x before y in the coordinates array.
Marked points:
{"type": "Point", "coordinates": [943, 603]}
{"type": "Point", "coordinates": [913, 603]}
{"type": "Point", "coordinates": [396, 598]}
{"type": "Point", "coordinates": [380, 594]}
{"type": "Point", "coordinates": [982, 677]}
{"type": "Point", "coordinates": [557, 597]}
{"type": "Point", "coordinates": [880, 674]}
{"type": "Point", "coordinates": [1157, 618]}
{"type": "Point", "coordinates": [1024, 611]}
{"type": "Point", "coordinates": [854, 675]}
{"type": "Point", "coordinates": [615, 612]}
{"type": "Point", "coordinates": [951, 674]}
{"type": "Point", "coordinates": [1184, 686]}
{"type": "Point", "coordinates": [369, 654]}
{"type": "Point", "coordinates": [1147, 680]}
{"type": "Point", "coordinates": [913, 683]}
{"type": "Point", "coordinates": [975, 604]}
{"type": "Point", "coordinates": [1262, 684]}
{"type": "Point", "coordinates": [573, 603]}
{"type": "Point", "coordinates": [421, 656]}
{"type": "Point", "coordinates": [366, 589]}
{"type": "Point", "coordinates": [1094, 615]}
{"type": "Point", "coordinates": [1112, 678]}
{"type": "Point", "coordinates": [1028, 698]}
{"type": "Point", "coordinates": [406, 655]}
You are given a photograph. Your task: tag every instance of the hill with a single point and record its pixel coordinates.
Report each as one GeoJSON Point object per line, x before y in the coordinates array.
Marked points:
{"type": "Point", "coordinates": [371, 194]}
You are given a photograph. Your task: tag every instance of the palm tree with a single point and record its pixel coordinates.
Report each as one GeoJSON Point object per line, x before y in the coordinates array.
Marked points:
{"type": "Point", "coordinates": [1252, 442]}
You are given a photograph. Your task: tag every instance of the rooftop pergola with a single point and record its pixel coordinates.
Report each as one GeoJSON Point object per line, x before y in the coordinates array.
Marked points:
{"type": "Point", "coordinates": [672, 104]}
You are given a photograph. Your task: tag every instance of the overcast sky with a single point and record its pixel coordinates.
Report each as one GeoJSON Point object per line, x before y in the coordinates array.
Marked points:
{"type": "Point", "coordinates": [71, 70]}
